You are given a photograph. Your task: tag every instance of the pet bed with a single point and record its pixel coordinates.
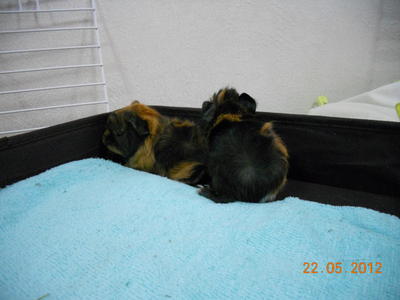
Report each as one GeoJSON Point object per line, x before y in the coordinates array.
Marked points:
{"type": "Point", "coordinates": [92, 229]}
{"type": "Point", "coordinates": [332, 160]}
{"type": "Point", "coordinates": [88, 229]}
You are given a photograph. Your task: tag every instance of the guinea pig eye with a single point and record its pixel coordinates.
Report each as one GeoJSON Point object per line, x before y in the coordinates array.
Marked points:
{"type": "Point", "coordinates": [119, 131]}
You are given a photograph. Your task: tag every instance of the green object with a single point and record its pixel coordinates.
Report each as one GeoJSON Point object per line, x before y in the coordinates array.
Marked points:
{"type": "Point", "coordinates": [321, 100]}
{"type": "Point", "coordinates": [397, 107]}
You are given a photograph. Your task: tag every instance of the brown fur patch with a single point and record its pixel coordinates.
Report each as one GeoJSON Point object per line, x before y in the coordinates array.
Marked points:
{"type": "Point", "coordinates": [228, 117]}
{"type": "Point", "coordinates": [181, 123]}
{"type": "Point", "coordinates": [281, 146]}
{"type": "Point", "coordinates": [151, 116]}
{"type": "Point", "coordinates": [183, 170]}
{"type": "Point", "coordinates": [143, 159]}
{"type": "Point", "coordinates": [221, 96]}
{"type": "Point", "coordinates": [148, 114]}
{"type": "Point", "coordinates": [266, 129]}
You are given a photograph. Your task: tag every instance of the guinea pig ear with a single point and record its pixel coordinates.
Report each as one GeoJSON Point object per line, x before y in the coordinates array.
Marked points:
{"type": "Point", "coordinates": [208, 112]}
{"type": "Point", "coordinates": [248, 102]}
{"type": "Point", "coordinates": [138, 124]}
{"type": "Point", "coordinates": [205, 106]}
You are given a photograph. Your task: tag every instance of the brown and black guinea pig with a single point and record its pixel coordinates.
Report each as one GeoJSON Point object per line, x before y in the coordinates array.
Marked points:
{"type": "Point", "coordinates": [148, 141]}
{"type": "Point", "coordinates": [247, 161]}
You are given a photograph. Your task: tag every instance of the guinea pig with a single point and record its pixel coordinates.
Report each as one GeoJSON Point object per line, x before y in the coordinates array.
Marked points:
{"type": "Point", "coordinates": [246, 160]}
{"type": "Point", "coordinates": [148, 141]}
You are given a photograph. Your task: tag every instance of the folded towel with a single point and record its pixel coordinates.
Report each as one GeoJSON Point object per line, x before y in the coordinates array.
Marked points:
{"type": "Point", "coordinates": [379, 104]}
{"type": "Point", "coordinates": [92, 229]}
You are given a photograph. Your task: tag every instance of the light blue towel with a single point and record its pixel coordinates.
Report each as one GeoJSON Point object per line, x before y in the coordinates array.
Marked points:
{"type": "Point", "coordinates": [92, 229]}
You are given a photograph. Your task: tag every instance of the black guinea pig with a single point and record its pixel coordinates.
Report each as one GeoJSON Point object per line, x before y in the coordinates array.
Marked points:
{"type": "Point", "coordinates": [246, 161]}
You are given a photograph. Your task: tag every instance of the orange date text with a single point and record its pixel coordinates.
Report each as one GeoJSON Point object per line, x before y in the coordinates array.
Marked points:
{"type": "Point", "coordinates": [340, 268]}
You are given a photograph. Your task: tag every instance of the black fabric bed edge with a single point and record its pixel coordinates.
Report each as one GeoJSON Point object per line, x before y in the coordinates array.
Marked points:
{"type": "Point", "coordinates": [332, 160]}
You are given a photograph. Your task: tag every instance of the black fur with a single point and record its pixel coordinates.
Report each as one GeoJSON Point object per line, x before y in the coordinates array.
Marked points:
{"type": "Point", "coordinates": [244, 165]}
{"type": "Point", "coordinates": [180, 143]}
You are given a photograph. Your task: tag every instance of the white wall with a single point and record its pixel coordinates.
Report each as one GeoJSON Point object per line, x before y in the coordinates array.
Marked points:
{"type": "Point", "coordinates": [284, 53]}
